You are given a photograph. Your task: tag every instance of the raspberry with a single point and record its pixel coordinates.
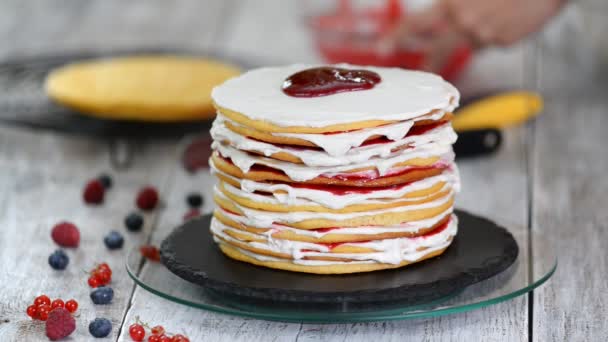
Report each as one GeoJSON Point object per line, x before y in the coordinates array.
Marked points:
{"type": "Point", "coordinates": [66, 234]}
{"type": "Point", "coordinates": [147, 198]}
{"type": "Point", "coordinates": [59, 324]}
{"type": "Point", "coordinates": [93, 192]}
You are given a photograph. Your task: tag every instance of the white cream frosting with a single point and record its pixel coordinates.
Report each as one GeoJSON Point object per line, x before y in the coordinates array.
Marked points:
{"type": "Point", "coordinates": [406, 227]}
{"type": "Point", "coordinates": [391, 251]}
{"type": "Point", "coordinates": [301, 173]}
{"type": "Point", "coordinates": [444, 134]}
{"type": "Point", "coordinates": [401, 95]}
{"type": "Point", "coordinates": [330, 200]}
{"type": "Point", "coordinates": [339, 143]}
{"type": "Point", "coordinates": [262, 219]}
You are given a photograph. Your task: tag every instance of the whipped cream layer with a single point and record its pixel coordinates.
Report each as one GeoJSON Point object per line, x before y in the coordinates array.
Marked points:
{"type": "Point", "coordinates": [443, 134]}
{"type": "Point", "coordinates": [262, 219]}
{"type": "Point", "coordinates": [401, 95]}
{"type": "Point", "coordinates": [288, 195]}
{"type": "Point", "coordinates": [410, 227]}
{"type": "Point", "coordinates": [390, 251]}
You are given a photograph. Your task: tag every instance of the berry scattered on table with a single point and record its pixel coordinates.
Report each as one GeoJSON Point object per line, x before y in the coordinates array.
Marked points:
{"type": "Point", "coordinates": [100, 327]}
{"type": "Point", "coordinates": [59, 324]}
{"type": "Point", "coordinates": [192, 214]}
{"type": "Point", "coordinates": [71, 305]}
{"type": "Point", "coordinates": [32, 311]}
{"type": "Point", "coordinates": [42, 299]}
{"type": "Point", "coordinates": [137, 332]}
{"type": "Point", "coordinates": [59, 260]}
{"type": "Point", "coordinates": [134, 222]}
{"type": "Point", "coordinates": [194, 200]}
{"type": "Point", "coordinates": [150, 252]}
{"type": "Point", "coordinates": [158, 330]}
{"type": "Point", "coordinates": [102, 295]}
{"type": "Point", "coordinates": [57, 303]}
{"type": "Point", "coordinates": [114, 240]}
{"type": "Point", "coordinates": [147, 198]}
{"type": "Point", "coordinates": [43, 312]}
{"type": "Point", "coordinates": [105, 180]}
{"type": "Point", "coordinates": [93, 192]}
{"type": "Point", "coordinates": [66, 234]}
{"type": "Point", "coordinates": [100, 275]}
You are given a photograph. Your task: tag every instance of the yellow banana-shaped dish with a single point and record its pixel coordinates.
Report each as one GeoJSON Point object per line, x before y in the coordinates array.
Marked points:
{"type": "Point", "coordinates": [498, 111]}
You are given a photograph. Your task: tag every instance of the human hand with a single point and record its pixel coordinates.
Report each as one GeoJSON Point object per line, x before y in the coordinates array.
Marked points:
{"type": "Point", "coordinates": [449, 24]}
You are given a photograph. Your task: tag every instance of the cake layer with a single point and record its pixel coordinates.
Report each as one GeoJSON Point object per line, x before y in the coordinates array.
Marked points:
{"type": "Point", "coordinates": [255, 99]}
{"type": "Point", "coordinates": [338, 143]}
{"type": "Point", "coordinates": [337, 197]}
{"type": "Point", "coordinates": [334, 234]}
{"type": "Point", "coordinates": [415, 169]}
{"type": "Point", "coordinates": [442, 134]}
{"type": "Point", "coordinates": [312, 220]}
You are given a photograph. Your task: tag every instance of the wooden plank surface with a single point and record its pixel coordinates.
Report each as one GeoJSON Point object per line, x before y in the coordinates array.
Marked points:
{"type": "Point", "coordinates": [569, 208]}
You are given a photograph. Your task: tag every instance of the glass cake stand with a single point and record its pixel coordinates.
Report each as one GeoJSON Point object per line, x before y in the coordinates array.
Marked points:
{"type": "Point", "coordinates": [515, 281]}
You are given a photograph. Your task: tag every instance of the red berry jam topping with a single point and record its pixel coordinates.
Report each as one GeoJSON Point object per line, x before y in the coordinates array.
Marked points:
{"type": "Point", "coordinates": [325, 81]}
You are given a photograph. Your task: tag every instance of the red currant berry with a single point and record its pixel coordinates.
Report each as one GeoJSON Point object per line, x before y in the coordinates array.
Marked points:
{"type": "Point", "coordinates": [93, 282]}
{"type": "Point", "coordinates": [154, 338]}
{"type": "Point", "coordinates": [105, 267]}
{"type": "Point", "coordinates": [57, 303]}
{"type": "Point", "coordinates": [42, 299]}
{"type": "Point", "coordinates": [179, 338]}
{"type": "Point", "coordinates": [158, 330]}
{"type": "Point", "coordinates": [32, 311]}
{"type": "Point", "coordinates": [137, 332]}
{"type": "Point", "coordinates": [71, 305]}
{"type": "Point", "coordinates": [43, 311]}
{"type": "Point", "coordinates": [103, 276]}
{"type": "Point", "coordinates": [150, 252]}
{"type": "Point", "coordinates": [165, 338]}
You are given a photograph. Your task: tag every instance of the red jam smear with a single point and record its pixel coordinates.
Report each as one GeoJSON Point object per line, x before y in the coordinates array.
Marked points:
{"type": "Point", "coordinates": [324, 81]}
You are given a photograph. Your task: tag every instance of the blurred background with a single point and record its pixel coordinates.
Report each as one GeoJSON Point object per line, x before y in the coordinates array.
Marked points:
{"type": "Point", "coordinates": [287, 31]}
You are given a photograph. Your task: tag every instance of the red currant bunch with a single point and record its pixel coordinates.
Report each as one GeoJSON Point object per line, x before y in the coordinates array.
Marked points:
{"type": "Point", "coordinates": [42, 306]}
{"type": "Point", "coordinates": [101, 275]}
{"type": "Point", "coordinates": [137, 331]}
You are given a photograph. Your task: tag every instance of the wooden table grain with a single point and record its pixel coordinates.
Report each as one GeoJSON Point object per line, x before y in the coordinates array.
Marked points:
{"type": "Point", "coordinates": [546, 183]}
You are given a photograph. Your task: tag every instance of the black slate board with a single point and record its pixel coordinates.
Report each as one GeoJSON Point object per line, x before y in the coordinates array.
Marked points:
{"type": "Point", "coordinates": [481, 250]}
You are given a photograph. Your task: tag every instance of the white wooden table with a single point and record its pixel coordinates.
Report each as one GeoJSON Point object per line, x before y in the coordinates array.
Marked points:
{"type": "Point", "coordinates": [549, 178]}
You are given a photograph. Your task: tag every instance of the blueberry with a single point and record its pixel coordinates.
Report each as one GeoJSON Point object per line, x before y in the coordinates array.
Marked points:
{"type": "Point", "coordinates": [134, 222]}
{"type": "Point", "coordinates": [105, 180]}
{"type": "Point", "coordinates": [59, 260]}
{"type": "Point", "coordinates": [100, 327]}
{"type": "Point", "coordinates": [195, 200]}
{"type": "Point", "coordinates": [102, 295]}
{"type": "Point", "coordinates": [114, 240]}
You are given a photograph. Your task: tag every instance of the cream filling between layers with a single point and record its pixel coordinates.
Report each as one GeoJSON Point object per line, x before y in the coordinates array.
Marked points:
{"type": "Point", "coordinates": [406, 227]}
{"type": "Point", "coordinates": [389, 251]}
{"type": "Point", "coordinates": [262, 219]}
{"type": "Point", "coordinates": [288, 195]}
{"type": "Point", "coordinates": [442, 134]}
{"type": "Point", "coordinates": [301, 173]}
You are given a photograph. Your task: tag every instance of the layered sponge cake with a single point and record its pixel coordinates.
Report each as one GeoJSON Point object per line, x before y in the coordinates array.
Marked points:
{"type": "Point", "coordinates": [334, 169]}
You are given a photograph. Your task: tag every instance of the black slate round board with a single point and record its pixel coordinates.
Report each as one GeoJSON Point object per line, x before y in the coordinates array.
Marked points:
{"type": "Point", "coordinates": [481, 250]}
